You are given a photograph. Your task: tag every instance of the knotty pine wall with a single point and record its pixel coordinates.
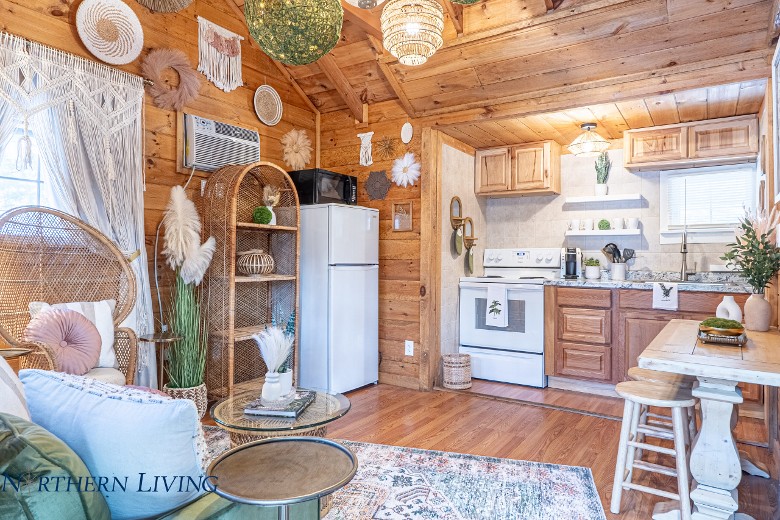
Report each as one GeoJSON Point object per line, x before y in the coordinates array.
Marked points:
{"type": "Point", "coordinates": [399, 252]}
{"type": "Point", "coordinates": [52, 22]}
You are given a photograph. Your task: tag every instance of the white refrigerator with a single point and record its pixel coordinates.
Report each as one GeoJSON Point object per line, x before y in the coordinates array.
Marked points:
{"type": "Point", "coordinates": [339, 322]}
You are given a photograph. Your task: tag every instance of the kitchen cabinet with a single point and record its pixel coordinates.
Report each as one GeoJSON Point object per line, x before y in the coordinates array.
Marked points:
{"type": "Point", "coordinates": [728, 140]}
{"type": "Point", "coordinates": [584, 325]}
{"type": "Point", "coordinates": [523, 169]}
{"type": "Point", "coordinates": [592, 362]}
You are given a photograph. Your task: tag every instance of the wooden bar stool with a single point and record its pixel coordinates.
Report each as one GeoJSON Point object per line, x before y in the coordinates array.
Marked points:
{"type": "Point", "coordinates": [659, 420]}
{"type": "Point", "coordinates": [660, 395]}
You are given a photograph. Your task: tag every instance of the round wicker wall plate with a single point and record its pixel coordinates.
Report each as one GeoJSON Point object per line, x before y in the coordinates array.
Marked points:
{"type": "Point", "coordinates": [110, 30]}
{"type": "Point", "coordinates": [165, 6]}
{"type": "Point", "coordinates": [268, 105]}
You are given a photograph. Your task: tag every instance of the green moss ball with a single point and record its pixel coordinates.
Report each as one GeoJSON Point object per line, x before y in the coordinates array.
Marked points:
{"type": "Point", "coordinates": [261, 215]}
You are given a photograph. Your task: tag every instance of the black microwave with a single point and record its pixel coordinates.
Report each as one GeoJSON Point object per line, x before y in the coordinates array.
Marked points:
{"type": "Point", "coordinates": [316, 186]}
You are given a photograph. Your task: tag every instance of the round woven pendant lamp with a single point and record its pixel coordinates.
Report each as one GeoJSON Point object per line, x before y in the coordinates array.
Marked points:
{"type": "Point", "coordinates": [295, 32]}
{"type": "Point", "coordinates": [165, 6]}
{"type": "Point", "coordinates": [412, 29]}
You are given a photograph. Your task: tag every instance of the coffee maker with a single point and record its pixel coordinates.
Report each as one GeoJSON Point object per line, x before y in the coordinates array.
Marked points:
{"type": "Point", "coordinates": [571, 263]}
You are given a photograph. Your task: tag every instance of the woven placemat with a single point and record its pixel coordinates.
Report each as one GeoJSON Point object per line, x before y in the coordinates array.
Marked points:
{"type": "Point", "coordinates": [378, 185]}
{"type": "Point", "coordinates": [165, 6]}
{"type": "Point", "coordinates": [268, 105]}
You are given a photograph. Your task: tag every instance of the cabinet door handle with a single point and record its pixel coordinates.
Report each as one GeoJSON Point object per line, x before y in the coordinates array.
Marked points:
{"type": "Point", "coordinates": [546, 173]}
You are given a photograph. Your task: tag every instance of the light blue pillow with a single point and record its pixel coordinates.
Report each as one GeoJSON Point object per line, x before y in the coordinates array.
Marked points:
{"type": "Point", "coordinates": [130, 435]}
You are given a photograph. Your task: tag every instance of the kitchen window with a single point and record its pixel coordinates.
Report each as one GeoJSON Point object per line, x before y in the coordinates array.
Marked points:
{"type": "Point", "coordinates": [707, 202]}
{"type": "Point", "coordinates": [19, 185]}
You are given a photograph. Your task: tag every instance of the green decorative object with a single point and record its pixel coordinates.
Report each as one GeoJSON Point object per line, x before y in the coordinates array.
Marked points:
{"type": "Point", "coordinates": [604, 224]}
{"type": "Point", "coordinates": [262, 215]}
{"type": "Point", "coordinates": [295, 32]}
{"type": "Point", "coordinates": [592, 262]}
{"type": "Point", "coordinates": [754, 252]}
{"type": "Point", "coordinates": [603, 164]}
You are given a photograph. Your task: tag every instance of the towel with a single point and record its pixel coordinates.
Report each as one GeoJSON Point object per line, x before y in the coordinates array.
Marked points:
{"type": "Point", "coordinates": [496, 311]}
{"type": "Point", "coordinates": [665, 296]}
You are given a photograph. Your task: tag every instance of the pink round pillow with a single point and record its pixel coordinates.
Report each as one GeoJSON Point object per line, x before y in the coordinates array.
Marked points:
{"type": "Point", "coordinates": [73, 338]}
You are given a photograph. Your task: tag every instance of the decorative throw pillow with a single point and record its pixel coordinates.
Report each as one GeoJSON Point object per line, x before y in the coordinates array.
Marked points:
{"type": "Point", "coordinates": [123, 432]}
{"type": "Point", "coordinates": [33, 463]}
{"type": "Point", "coordinates": [73, 338]}
{"type": "Point", "coordinates": [12, 398]}
{"type": "Point", "coordinates": [101, 314]}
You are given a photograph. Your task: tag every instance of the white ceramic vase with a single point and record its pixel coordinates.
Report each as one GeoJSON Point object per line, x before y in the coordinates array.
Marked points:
{"type": "Point", "coordinates": [272, 388]}
{"type": "Point", "coordinates": [286, 380]}
{"type": "Point", "coordinates": [592, 272]}
{"type": "Point", "coordinates": [758, 313]}
{"type": "Point", "coordinates": [600, 190]}
{"type": "Point", "coordinates": [729, 309]}
{"type": "Point", "coordinates": [273, 216]}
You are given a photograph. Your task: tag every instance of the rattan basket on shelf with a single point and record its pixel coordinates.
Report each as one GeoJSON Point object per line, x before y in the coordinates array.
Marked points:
{"type": "Point", "coordinates": [255, 262]}
{"type": "Point", "coordinates": [456, 371]}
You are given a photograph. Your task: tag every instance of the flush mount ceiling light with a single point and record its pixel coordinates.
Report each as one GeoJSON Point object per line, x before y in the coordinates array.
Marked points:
{"type": "Point", "coordinates": [365, 4]}
{"type": "Point", "coordinates": [295, 32]}
{"type": "Point", "coordinates": [412, 29]}
{"type": "Point", "coordinates": [588, 143]}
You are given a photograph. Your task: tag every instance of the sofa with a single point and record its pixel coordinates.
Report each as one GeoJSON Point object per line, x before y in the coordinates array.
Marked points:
{"type": "Point", "coordinates": [77, 448]}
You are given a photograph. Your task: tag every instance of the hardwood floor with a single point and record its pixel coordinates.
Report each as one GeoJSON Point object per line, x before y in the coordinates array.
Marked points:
{"type": "Point", "coordinates": [468, 423]}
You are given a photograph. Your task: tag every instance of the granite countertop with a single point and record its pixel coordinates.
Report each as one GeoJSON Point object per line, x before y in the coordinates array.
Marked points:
{"type": "Point", "coordinates": [702, 282]}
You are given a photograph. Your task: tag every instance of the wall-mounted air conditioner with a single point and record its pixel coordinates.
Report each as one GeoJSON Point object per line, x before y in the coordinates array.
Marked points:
{"type": "Point", "coordinates": [210, 145]}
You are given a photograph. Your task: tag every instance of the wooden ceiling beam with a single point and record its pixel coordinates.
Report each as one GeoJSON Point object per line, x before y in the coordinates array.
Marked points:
{"type": "Point", "coordinates": [363, 18]}
{"type": "Point", "coordinates": [329, 67]}
{"type": "Point", "coordinates": [552, 5]}
{"type": "Point", "coordinates": [455, 12]}
{"type": "Point", "coordinates": [387, 73]}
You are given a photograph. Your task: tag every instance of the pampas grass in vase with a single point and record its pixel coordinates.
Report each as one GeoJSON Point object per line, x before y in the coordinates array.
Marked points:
{"type": "Point", "coordinates": [274, 346]}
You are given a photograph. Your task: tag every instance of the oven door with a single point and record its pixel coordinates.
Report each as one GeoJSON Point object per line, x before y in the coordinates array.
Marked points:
{"type": "Point", "coordinates": [525, 332]}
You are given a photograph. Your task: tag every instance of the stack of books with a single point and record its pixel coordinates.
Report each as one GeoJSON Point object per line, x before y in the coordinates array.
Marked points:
{"type": "Point", "coordinates": [303, 398]}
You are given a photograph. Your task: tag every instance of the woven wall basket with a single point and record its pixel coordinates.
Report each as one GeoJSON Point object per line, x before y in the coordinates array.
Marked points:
{"type": "Point", "coordinates": [165, 6]}
{"type": "Point", "coordinates": [456, 371]}
{"type": "Point", "coordinates": [110, 30]}
{"type": "Point", "coordinates": [268, 105]}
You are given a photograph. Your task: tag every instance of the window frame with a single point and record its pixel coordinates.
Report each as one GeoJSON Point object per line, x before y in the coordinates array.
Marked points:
{"type": "Point", "coordinates": [714, 235]}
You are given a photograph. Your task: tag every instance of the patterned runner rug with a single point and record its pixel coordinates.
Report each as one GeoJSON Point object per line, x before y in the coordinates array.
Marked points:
{"type": "Point", "coordinates": [394, 483]}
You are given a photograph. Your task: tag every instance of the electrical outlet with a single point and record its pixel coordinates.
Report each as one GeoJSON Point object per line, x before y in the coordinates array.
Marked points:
{"type": "Point", "coordinates": [408, 348]}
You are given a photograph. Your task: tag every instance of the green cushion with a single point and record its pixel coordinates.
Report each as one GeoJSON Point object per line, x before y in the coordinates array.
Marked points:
{"type": "Point", "coordinates": [213, 507]}
{"type": "Point", "coordinates": [32, 463]}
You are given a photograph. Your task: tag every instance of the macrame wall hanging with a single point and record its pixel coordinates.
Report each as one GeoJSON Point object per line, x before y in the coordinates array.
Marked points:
{"type": "Point", "coordinates": [406, 170]}
{"type": "Point", "coordinates": [219, 55]}
{"type": "Point", "coordinates": [377, 185]}
{"type": "Point", "coordinates": [152, 67]}
{"type": "Point", "coordinates": [365, 149]}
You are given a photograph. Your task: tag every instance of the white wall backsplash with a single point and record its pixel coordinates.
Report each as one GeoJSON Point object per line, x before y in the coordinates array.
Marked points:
{"type": "Point", "coordinates": [457, 179]}
{"type": "Point", "coordinates": [542, 221]}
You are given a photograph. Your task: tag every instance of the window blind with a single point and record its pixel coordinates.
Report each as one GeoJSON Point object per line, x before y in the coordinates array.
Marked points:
{"type": "Point", "coordinates": [716, 199]}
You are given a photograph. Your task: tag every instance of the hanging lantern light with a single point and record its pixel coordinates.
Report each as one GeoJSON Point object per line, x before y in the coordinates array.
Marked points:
{"type": "Point", "coordinates": [295, 32]}
{"type": "Point", "coordinates": [588, 143]}
{"type": "Point", "coordinates": [412, 29]}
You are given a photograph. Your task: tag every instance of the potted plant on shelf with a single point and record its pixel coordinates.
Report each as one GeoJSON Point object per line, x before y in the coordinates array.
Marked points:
{"type": "Point", "coordinates": [755, 254]}
{"type": "Point", "coordinates": [603, 165]}
{"type": "Point", "coordinates": [592, 269]}
{"type": "Point", "coordinates": [189, 259]}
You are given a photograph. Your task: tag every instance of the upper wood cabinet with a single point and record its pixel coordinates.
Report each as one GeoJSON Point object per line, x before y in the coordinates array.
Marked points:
{"type": "Point", "coordinates": [525, 169]}
{"type": "Point", "coordinates": [717, 141]}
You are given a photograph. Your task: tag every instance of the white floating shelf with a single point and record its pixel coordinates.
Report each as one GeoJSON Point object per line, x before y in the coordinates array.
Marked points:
{"type": "Point", "coordinates": [604, 198]}
{"type": "Point", "coordinates": [604, 233]}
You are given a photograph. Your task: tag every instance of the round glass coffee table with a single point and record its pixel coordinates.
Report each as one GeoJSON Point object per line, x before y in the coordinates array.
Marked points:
{"type": "Point", "coordinates": [283, 471]}
{"type": "Point", "coordinates": [229, 415]}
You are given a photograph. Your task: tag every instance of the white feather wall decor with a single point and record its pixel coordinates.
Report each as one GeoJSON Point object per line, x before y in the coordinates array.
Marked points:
{"type": "Point", "coordinates": [297, 149]}
{"type": "Point", "coordinates": [406, 170]}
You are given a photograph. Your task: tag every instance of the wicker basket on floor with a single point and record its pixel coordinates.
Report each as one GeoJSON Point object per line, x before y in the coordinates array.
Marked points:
{"type": "Point", "coordinates": [457, 371]}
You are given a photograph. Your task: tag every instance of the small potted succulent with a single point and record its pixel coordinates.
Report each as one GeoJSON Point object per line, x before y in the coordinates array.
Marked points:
{"type": "Point", "coordinates": [592, 269]}
{"type": "Point", "coordinates": [603, 165]}
{"type": "Point", "coordinates": [604, 225]}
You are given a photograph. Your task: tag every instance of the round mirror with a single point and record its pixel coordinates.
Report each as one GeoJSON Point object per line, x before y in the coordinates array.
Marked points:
{"type": "Point", "coordinates": [456, 212]}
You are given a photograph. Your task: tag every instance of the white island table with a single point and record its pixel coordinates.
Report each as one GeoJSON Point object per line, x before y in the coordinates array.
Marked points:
{"type": "Point", "coordinates": [715, 460]}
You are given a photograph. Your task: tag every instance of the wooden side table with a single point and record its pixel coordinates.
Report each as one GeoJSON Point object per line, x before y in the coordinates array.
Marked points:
{"type": "Point", "coordinates": [282, 471]}
{"type": "Point", "coordinates": [163, 339]}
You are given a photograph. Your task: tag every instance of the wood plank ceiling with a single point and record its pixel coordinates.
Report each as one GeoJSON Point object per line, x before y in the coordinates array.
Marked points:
{"type": "Point", "coordinates": [503, 58]}
{"type": "Point", "coordinates": [734, 99]}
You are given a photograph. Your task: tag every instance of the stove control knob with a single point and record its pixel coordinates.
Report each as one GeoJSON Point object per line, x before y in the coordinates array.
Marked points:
{"type": "Point", "coordinates": [548, 259]}
{"type": "Point", "coordinates": [490, 257]}
{"type": "Point", "coordinates": [538, 259]}
{"type": "Point", "coordinates": [499, 257]}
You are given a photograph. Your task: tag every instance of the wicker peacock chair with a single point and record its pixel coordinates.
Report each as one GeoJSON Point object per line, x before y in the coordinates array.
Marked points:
{"type": "Point", "coordinates": [49, 256]}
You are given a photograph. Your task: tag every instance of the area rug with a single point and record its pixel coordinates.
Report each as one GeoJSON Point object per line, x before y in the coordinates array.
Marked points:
{"type": "Point", "coordinates": [394, 483]}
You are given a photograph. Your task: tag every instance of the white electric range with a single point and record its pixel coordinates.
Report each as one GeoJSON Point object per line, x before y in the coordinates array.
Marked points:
{"type": "Point", "coordinates": [515, 353]}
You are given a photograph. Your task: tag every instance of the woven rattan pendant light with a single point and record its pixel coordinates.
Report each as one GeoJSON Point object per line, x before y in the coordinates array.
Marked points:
{"type": "Point", "coordinates": [588, 143]}
{"type": "Point", "coordinates": [165, 6]}
{"type": "Point", "coordinates": [412, 29]}
{"type": "Point", "coordinates": [295, 32]}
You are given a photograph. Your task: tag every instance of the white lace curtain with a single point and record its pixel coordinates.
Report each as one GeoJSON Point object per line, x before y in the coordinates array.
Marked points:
{"type": "Point", "coordinates": [88, 122]}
